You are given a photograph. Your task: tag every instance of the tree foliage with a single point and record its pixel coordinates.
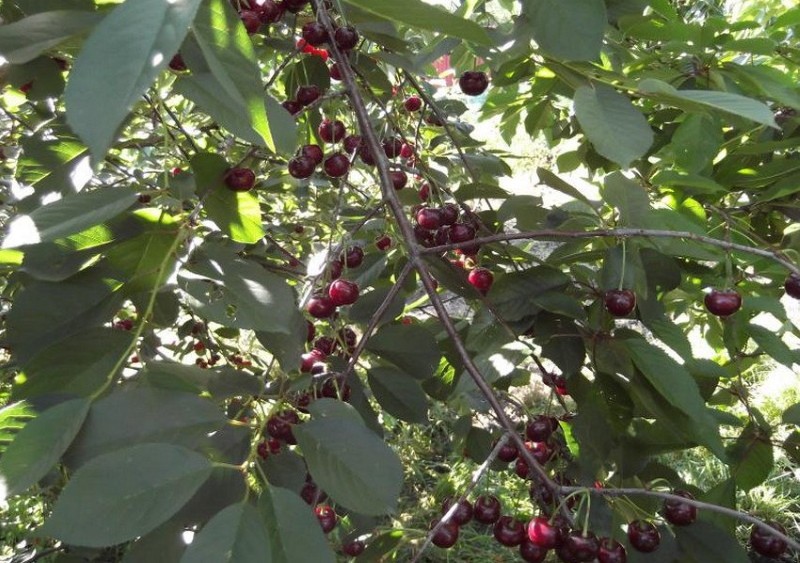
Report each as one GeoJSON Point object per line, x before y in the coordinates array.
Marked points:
{"type": "Point", "coordinates": [178, 358]}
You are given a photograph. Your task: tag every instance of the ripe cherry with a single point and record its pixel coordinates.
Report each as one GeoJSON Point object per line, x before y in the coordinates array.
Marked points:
{"type": "Point", "coordinates": [540, 428]}
{"type": "Point", "coordinates": [792, 286]}
{"type": "Point", "coordinates": [337, 165]}
{"type": "Point", "coordinates": [311, 331]}
{"type": "Point", "coordinates": [176, 63]}
{"type": "Point", "coordinates": [335, 269]}
{"type": "Point", "coordinates": [463, 513]}
{"type": "Point", "coordinates": [531, 552]}
{"type": "Point", "coordinates": [425, 192]}
{"type": "Point", "coordinates": [314, 152]}
{"type": "Point", "coordinates": [326, 516]}
{"type": "Point", "coordinates": [611, 551]}
{"type": "Point", "coordinates": [399, 179]}
{"type": "Point", "coordinates": [321, 307]}
{"type": "Point", "coordinates": [578, 548]}
{"type": "Point", "coordinates": [270, 11]}
{"type": "Point", "coordinates": [392, 147]}
{"type": "Point", "coordinates": [481, 279]}
{"type": "Point", "coordinates": [508, 452]}
{"type": "Point", "coordinates": [723, 303]}
{"type": "Point", "coordinates": [307, 94]}
{"type": "Point", "coordinates": [679, 513]}
{"type": "Point", "coordinates": [509, 531]}
{"type": "Point", "coordinates": [644, 536]}
{"type": "Point", "coordinates": [461, 232]}
{"type": "Point", "coordinates": [429, 218]}
{"type": "Point", "coordinates": [301, 167]}
{"type": "Point", "coordinates": [765, 543]}
{"type": "Point", "coordinates": [343, 292]}
{"type": "Point", "coordinates": [413, 103]}
{"type": "Point", "coordinates": [267, 447]}
{"type": "Point", "coordinates": [354, 256]}
{"type": "Point", "coordinates": [240, 179]}
{"type": "Point", "coordinates": [449, 214]}
{"type": "Point", "coordinates": [279, 426]}
{"type": "Point", "coordinates": [407, 151]}
{"type": "Point", "coordinates": [314, 33]}
{"type": "Point", "coordinates": [308, 359]}
{"type": "Point", "coordinates": [383, 242]}
{"type": "Point", "coordinates": [295, 6]}
{"type": "Point", "coordinates": [335, 72]}
{"type": "Point", "coordinates": [473, 82]}
{"type": "Point", "coordinates": [331, 131]}
{"type": "Point", "coordinates": [351, 143]}
{"type": "Point", "coordinates": [292, 106]}
{"type": "Point", "coordinates": [486, 509]}
{"type": "Point", "coordinates": [446, 536]}
{"type": "Point", "coordinates": [542, 533]}
{"type": "Point", "coordinates": [620, 302]}
{"type": "Point", "coordinates": [311, 493]}
{"type": "Point", "coordinates": [353, 548]}
{"type": "Point", "coordinates": [346, 37]}
{"type": "Point", "coordinates": [251, 20]}
{"type": "Point", "coordinates": [325, 344]}
{"type": "Point", "coordinates": [335, 388]}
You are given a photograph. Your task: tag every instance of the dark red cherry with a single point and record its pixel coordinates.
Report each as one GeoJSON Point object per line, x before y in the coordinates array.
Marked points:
{"type": "Point", "coordinates": [251, 20]}
{"type": "Point", "coordinates": [383, 242]}
{"type": "Point", "coordinates": [240, 179]}
{"type": "Point", "coordinates": [279, 426]}
{"type": "Point", "coordinates": [425, 192]}
{"type": "Point", "coordinates": [540, 428]}
{"type": "Point", "coordinates": [321, 307]}
{"type": "Point", "coordinates": [413, 103]}
{"type": "Point", "coordinates": [508, 452]}
{"type": "Point", "coordinates": [765, 543]}
{"type": "Point", "coordinates": [337, 165]}
{"type": "Point", "coordinates": [311, 493]}
{"type": "Point", "coordinates": [679, 513]}
{"type": "Point", "coordinates": [335, 388]}
{"type": "Point", "coordinates": [473, 82]}
{"type": "Point", "coordinates": [301, 167]}
{"type": "Point", "coordinates": [429, 218]}
{"type": "Point", "coordinates": [177, 64]}
{"type": "Point", "coordinates": [308, 359]}
{"type": "Point", "coordinates": [335, 72]}
{"type": "Point", "coordinates": [326, 516]}
{"type": "Point", "coordinates": [792, 286]}
{"type": "Point", "coordinates": [481, 279]}
{"type": "Point", "coordinates": [292, 106]}
{"type": "Point", "coordinates": [620, 302]}
{"type": "Point", "coordinates": [723, 303]}
{"type": "Point", "coordinates": [521, 468]}
{"type": "Point", "coordinates": [366, 156]}
{"type": "Point", "coordinates": [399, 179]}
{"type": "Point", "coordinates": [331, 131]}
{"type": "Point", "coordinates": [311, 331]}
{"type": "Point", "coordinates": [509, 531]}
{"type": "Point", "coordinates": [542, 533]}
{"type": "Point", "coordinates": [449, 214]}
{"type": "Point", "coordinates": [314, 33]}
{"type": "Point", "coordinates": [343, 292]}
{"type": "Point", "coordinates": [407, 151]}
{"type": "Point", "coordinates": [463, 513]}
{"type": "Point", "coordinates": [486, 509]}
{"type": "Point", "coordinates": [611, 551]}
{"type": "Point", "coordinates": [461, 232]}
{"type": "Point", "coordinates": [531, 552]}
{"type": "Point", "coordinates": [314, 152]}
{"type": "Point", "coordinates": [392, 147]}
{"type": "Point", "coordinates": [354, 256]}
{"type": "Point", "coordinates": [644, 536]}
{"type": "Point", "coordinates": [295, 6]}
{"type": "Point", "coordinates": [325, 344]}
{"type": "Point", "coordinates": [346, 37]}
{"type": "Point", "coordinates": [353, 548]}
{"type": "Point", "coordinates": [307, 94]}
{"type": "Point", "coordinates": [446, 536]}
{"type": "Point", "coordinates": [270, 11]}
{"type": "Point", "coordinates": [579, 548]}
{"type": "Point", "coordinates": [351, 143]}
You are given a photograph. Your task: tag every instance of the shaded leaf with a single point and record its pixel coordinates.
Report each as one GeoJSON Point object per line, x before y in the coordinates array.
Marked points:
{"type": "Point", "coordinates": [568, 29]}
{"type": "Point", "coordinates": [410, 347]}
{"type": "Point", "coordinates": [24, 40]}
{"type": "Point", "coordinates": [399, 394]}
{"type": "Point", "coordinates": [236, 534]}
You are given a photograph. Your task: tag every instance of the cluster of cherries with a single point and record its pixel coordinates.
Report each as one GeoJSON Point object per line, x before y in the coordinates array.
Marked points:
{"type": "Point", "coordinates": [338, 292]}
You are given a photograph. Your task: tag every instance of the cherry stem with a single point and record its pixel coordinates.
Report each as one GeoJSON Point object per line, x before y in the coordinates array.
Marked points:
{"type": "Point", "coordinates": [622, 270]}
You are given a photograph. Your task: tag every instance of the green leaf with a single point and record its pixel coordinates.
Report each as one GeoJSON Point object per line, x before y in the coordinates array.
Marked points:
{"type": "Point", "coordinates": [24, 40]}
{"type": "Point", "coordinates": [512, 294]}
{"type": "Point", "coordinates": [39, 445]}
{"type": "Point", "coordinates": [676, 386]}
{"type": "Point", "coordinates": [696, 142]}
{"type": "Point", "coordinates": [68, 216]}
{"type": "Point", "coordinates": [220, 383]}
{"type": "Point", "coordinates": [613, 125]}
{"type": "Point", "coordinates": [557, 183]}
{"type": "Point", "coordinates": [399, 394]}
{"type": "Point", "coordinates": [349, 462]}
{"type": "Point", "coordinates": [12, 419]}
{"type": "Point", "coordinates": [294, 531]}
{"type": "Point", "coordinates": [628, 197]}
{"type": "Point", "coordinates": [229, 53]}
{"type": "Point", "coordinates": [165, 543]}
{"type": "Point", "coordinates": [410, 347]}
{"type": "Point", "coordinates": [48, 165]}
{"type": "Point", "coordinates": [792, 415]}
{"type": "Point", "coordinates": [568, 29]}
{"type": "Point", "coordinates": [236, 534]}
{"type": "Point", "coordinates": [106, 80]}
{"type": "Point", "coordinates": [78, 365]}
{"type": "Point", "coordinates": [287, 347]}
{"type": "Point", "coordinates": [752, 458]}
{"type": "Point", "coordinates": [694, 100]}
{"type": "Point", "coordinates": [362, 310]}
{"type": "Point", "coordinates": [420, 15]}
{"type": "Point", "coordinates": [119, 496]}
{"type": "Point", "coordinates": [140, 415]}
{"type": "Point", "coordinates": [242, 295]}
{"type": "Point", "coordinates": [773, 345]}
{"type": "Point", "coordinates": [704, 541]}
{"type": "Point", "coordinates": [237, 214]}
